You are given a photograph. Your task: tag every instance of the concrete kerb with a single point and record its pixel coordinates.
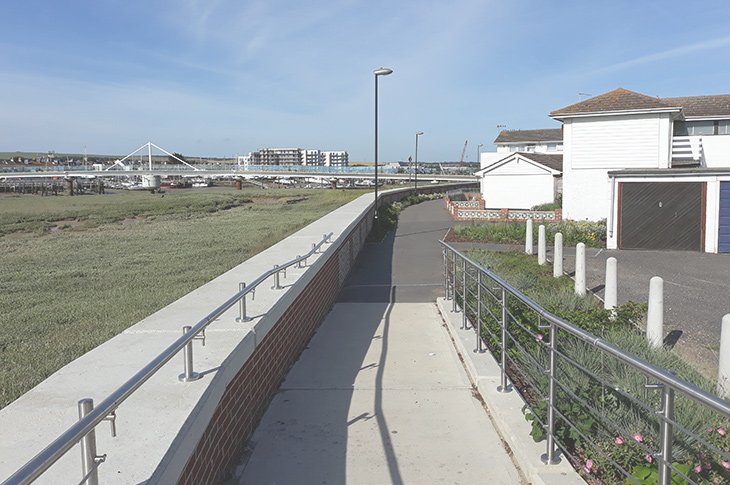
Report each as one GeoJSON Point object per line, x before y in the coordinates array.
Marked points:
{"type": "Point", "coordinates": [505, 409]}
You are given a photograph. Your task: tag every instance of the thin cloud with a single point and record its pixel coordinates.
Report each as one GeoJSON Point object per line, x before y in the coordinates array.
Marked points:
{"type": "Point", "coordinates": [669, 54]}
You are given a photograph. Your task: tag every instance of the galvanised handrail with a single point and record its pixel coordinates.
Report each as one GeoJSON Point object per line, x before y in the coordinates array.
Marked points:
{"type": "Point", "coordinates": [665, 379]}
{"type": "Point", "coordinates": [61, 445]}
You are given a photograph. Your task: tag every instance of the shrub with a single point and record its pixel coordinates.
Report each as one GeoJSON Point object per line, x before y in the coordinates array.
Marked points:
{"type": "Point", "coordinates": [592, 234]}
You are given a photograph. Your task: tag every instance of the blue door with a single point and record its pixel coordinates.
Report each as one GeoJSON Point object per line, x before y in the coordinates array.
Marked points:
{"type": "Point", "coordinates": [724, 236]}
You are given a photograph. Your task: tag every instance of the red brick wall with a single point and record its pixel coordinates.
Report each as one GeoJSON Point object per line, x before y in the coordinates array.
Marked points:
{"type": "Point", "coordinates": [251, 390]}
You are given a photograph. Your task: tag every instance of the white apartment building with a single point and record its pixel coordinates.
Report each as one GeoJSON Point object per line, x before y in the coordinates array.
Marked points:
{"type": "Point", "coordinates": [295, 156]}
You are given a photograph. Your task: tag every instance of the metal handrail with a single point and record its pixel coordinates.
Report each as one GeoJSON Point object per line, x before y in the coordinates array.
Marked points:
{"type": "Point", "coordinates": [456, 286]}
{"type": "Point", "coordinates": [701, 396]}
{"type": "Point", "coordinates": [61, 445]}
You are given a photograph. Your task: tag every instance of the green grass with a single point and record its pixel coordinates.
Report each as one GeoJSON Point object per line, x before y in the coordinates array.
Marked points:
{"type": "Point", "coordinates": [64, 292]}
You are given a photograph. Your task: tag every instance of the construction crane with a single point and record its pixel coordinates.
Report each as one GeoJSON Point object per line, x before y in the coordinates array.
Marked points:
{"type": "Point", "coordinates": [462, 154]}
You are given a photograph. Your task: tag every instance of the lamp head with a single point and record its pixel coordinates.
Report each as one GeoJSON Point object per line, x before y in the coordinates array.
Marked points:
{"type": "Point", "coordinates": [419, 133]}
{"type": "Point", "coordinates": [383, 71]}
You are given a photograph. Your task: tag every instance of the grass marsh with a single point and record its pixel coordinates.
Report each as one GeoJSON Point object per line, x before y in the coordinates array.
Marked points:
{"type": "Point", "coordinates": [78, 270]}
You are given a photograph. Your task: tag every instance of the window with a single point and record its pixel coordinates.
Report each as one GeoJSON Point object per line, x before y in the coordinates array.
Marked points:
{"type": "Point", "coordinates": [530, 147]}
{"type": "Point", "coordinates": [723, 127]}
{"type": "Point", "coordinates": [701, 127]}
{"type": "Point", "coordinates": [552, 147]}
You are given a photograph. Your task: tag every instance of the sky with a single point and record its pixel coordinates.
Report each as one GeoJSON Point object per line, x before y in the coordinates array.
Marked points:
{"type": "Point", "coordinates": [222, 78]}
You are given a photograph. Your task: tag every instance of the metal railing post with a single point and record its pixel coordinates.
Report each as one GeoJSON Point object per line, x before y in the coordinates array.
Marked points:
{"type": "Point", "coordinates": [242, 305]}
{"type": "Point", "coordinates": [89, 458]}
{"type": "Point", "coordinates": [446, 273]}
{"type": "Point", "coordinates": [478, 324]}
{"type": "Point", "coordinates": [504, 387]}
{"type": "Point", "coordinates": [666, 432]}
{"type": "Point", "coordinates": [464, 324]}
{"type": "Point", "coordinates": [276, 286]}
{"type": "Point", "coordinates": [188, 375]}
{"type": "Point", "coordinates": [550, 458]}
{"type": "Point", "coordinates": [454, 292]}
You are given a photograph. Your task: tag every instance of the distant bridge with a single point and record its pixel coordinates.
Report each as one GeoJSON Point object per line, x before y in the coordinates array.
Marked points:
{"type": "Point", "coordinates": [326, 174]}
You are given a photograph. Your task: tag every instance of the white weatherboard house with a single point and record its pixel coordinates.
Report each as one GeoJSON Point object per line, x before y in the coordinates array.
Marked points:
{"type": "Point", "coordinates": [658, 169]}
{"type": "Point", "coordinates": [527, 170]}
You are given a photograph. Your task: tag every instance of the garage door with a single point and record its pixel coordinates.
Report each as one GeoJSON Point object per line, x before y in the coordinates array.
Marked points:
{"type": "Point", "coordinates": [661, 215]}
{"type": "Point", "coordinates": [724, 236]}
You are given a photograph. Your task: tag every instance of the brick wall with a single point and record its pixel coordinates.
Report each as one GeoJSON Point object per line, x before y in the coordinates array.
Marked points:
{"type": "Point", "coordinates": [249, 393]}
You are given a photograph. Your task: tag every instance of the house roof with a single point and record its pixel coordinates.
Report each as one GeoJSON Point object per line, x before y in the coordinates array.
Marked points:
{"type": "Point", "coordinates": [717, 105]}
{"type": "Point", "coordinates": [524, 136]}
{"type": "Point", "coordinates": [617, 100]}
{"type": "Point", "coordinates": [552, 162]}
{"type": "Point", "coordinates": [549, 160]}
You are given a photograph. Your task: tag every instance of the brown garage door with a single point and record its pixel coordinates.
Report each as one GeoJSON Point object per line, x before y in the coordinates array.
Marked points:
{"type": "Point", "coordinates": [661, 215]}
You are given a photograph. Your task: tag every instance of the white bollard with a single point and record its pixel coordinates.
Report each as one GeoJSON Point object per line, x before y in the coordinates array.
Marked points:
{"type": "Point", "coordinates": [723, 370]}
{"type": "Point", "coordinates": [528, 237]}
{"type": "Point", "coordinates": [541, 249]}
{"type": "Point", "coordinates": [580, 269]}
{"type": "Point", "coordinates": [655, 315]}
{"type": "Point", "coordinates": [558, 256]}
{"type": "Point", "coordinates": [611, 295]}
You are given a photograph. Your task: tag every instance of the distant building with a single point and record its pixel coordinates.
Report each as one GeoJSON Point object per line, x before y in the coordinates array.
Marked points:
{"type": "Point", "coordinates": [295, 156]}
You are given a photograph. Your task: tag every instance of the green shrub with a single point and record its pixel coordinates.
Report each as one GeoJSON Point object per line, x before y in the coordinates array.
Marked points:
{"type": "Point", "coordinates": [592, 234]}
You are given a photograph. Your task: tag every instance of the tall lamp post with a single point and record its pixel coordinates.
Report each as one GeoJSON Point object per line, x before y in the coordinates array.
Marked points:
{"type": "Point", "coordinates": [479, 161]}
{"type": "Point", "coordinates": [415, 187]}
{"type": "Point", "coordinates": [378, 72]}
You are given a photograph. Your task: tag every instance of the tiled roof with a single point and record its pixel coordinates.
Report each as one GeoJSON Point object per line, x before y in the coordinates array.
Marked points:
{"type": "Point", "coordinates": [617, 100]}
{"type": "Point", "coordinates": [551, 161]}
{"type": "Point", "coordinates": [718, 105]}
{"type": "Point", "coordinates": [524, 136]}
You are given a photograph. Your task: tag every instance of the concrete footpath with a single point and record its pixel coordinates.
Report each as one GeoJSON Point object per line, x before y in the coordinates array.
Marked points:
{"type": "Point", "coordinates": [382, 394]}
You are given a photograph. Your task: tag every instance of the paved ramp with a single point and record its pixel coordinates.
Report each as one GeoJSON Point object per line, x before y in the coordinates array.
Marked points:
{"type": "Point", "coordinates": [380, 395]}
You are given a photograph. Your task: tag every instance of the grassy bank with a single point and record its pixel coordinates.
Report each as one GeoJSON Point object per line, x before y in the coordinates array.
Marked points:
{"type": "Point", "coordinates": [606, 418]}
{"type": "Point", "coordinates": [79, 270]}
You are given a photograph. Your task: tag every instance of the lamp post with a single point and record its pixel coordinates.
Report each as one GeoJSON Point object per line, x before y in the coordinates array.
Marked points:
{"type": "Point", "coordinates": [479, 161]}
{"type": "Point", "coordinates": [415, 186]}
{"type": "Point", "coordinates": [378, 72]}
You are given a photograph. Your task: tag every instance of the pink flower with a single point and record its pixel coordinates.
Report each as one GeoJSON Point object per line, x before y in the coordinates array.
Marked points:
{"type": "Point", "coordinates": [721, 431]}
{"type": "Point", "coordinates": [707, 467]}
{"type": "Point", "coordinates": [698, 468]}
{"type": "Point", "coordinates": [619, 441]}
{"type": "Point", "coordinates": [638, 437]}
{"type": "Point", "coordinates": [589, 465]}
{"type": "Point", "coordinates": [710, 430]}
{"type": "Point", "coordinates": [726, 465]}
{"type": "Point", "coordinates": [539, 337]}
{"type": "Point", "coordinates": [648, 458]}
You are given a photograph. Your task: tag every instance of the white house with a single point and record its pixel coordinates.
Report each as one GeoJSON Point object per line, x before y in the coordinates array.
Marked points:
{"type": "Point", "coordinates": [521, 180]}
{"type": "Point", "coordinates": [549, 140]}
{"type": "Point", "coordinates": [658, 169]}
{"type": "Point", "coordinates": [525, 170]}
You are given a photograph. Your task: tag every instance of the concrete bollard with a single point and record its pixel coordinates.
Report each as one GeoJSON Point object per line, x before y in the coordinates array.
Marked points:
{"type": "Point", "coordinates": [723, 370]}
{"type": "Point", "coordinates": [541, 249]}
{"type": "Point", "coordinates": [655, 315]}
{"type": "Point", "coordinates": [580, 269]}
{"type": "Point", "coordinates": [611, 297]}
{"type": "Point", "coordinates": [558, 255]}
{"type": "Point", "coordinates": [528, 237]}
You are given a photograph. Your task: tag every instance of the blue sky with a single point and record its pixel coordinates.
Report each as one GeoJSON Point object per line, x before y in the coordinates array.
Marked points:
{"type": "Point", "coordinates": [223, 78]}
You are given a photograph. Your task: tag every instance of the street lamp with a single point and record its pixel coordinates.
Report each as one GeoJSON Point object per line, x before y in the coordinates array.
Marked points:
{"type": "Point", "coordinates": [415, 187]}
{"type": "Point", "coordinates": [479, 161]}
{"type": "Point", "coordinates": [378, 72]}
